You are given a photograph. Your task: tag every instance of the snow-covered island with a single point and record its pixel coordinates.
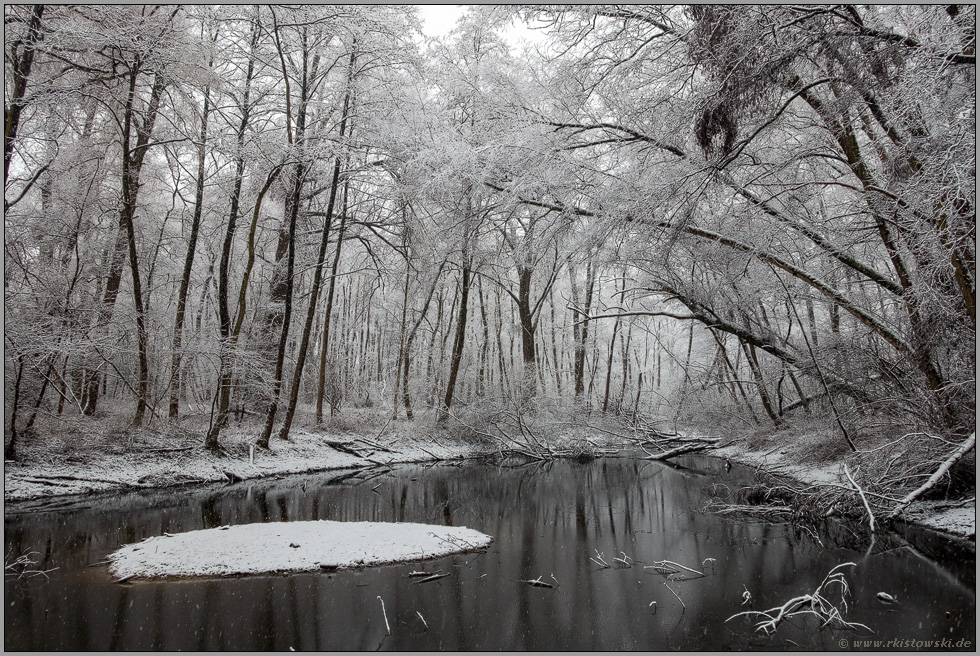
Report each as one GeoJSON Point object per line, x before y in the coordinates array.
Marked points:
{"type": "Point", "coordinates": [290, 547]}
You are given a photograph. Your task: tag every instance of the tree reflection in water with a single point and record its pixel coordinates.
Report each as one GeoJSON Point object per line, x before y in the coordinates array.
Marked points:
{"type": "Point", "coordinates": [547, 520]}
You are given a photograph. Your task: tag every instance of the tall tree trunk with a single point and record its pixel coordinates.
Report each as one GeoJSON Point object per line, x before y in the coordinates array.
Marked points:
{"type": "Point", "coordinates": [328, 312]}
{"type": "Point", "coordinates": [580, 328]}
{"type": "Point", "coordinates": [609, 365]}
{"type": "Point", "coordinates": [273, 406]}
{"type": "Point", "coordinates": [525, 315]}
{"type": "Point", "coordinates": [227, 351]}
{"type": "Point", "coordinates": [185, 278]}
{"type": "Point", "coordinates": [460, 338]}
{"type": "Point", "coordinates": [282, 286]}
{"type": "Point", "coordinates": [318, 270]}
{"type": "Point", "coordinates": [132, 164]}
{"type": "Point", "coordinates": [403, 329]}
{"type": "Point", "coordinates": [10, 450]}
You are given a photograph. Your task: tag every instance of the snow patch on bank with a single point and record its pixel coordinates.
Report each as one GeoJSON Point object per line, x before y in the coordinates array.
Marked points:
{"type": "Point", "coordinates": [941, 515]}
{"type": "Point", "coordinates": [290, 547]}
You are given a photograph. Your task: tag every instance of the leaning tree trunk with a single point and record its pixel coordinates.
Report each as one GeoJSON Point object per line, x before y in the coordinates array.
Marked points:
{"type": "Point", "coordinates": [328, 313]}
{"type": "Point", "coordinates": [226, 348]}
{"type": "Point", "coordinates": [227, 352]}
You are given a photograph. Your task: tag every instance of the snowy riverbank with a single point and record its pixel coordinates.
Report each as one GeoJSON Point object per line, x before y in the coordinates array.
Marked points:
{"type": "Point", "coordinates": [956, 518]}
{"type": "Point", "coordinates": [150, 460]}
{"type": "Point", "coordinates": [159, 465]}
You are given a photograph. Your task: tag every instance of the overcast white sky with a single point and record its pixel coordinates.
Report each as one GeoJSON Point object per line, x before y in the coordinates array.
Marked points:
{"type": "Point", "coordinates": [438, 20]}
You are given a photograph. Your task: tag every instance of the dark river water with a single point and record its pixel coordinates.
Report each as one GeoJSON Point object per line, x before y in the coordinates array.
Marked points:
{"type": "Point", "coordinates": [547, 520]}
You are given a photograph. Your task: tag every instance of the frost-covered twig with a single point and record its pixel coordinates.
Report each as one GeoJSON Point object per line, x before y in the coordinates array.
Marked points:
{"type": "Point", "coordinates": [23, 567]}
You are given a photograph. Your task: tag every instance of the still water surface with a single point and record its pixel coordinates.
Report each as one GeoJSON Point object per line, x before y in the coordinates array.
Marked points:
{"type": "Point", "coordinates": [547, 520]}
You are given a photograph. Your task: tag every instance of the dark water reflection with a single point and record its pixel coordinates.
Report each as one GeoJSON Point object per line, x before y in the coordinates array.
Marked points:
{"type": "Point", "coordinates": [547, 520]}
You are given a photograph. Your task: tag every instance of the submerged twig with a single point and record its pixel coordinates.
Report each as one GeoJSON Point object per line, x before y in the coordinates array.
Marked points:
{"type": "Point", "coordinates": [675, 594]}
{"type": "Point", "coordinates": [538, 583]}
{"type": "Point", "coordinates": [625, 560]}
{"type": "Point", "coordinates": [385, 613]}
{"type": "Point", "coordinates": [669, 568]}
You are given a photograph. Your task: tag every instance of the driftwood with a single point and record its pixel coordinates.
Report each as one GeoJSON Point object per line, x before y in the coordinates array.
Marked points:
{"type": "Point", "coordinates": [964, 448]}
{"type": "Point", "coordinates": [232, 476]}
{"type": "Point", "coordinates": [681, 450]}
{"type": "Point", "coordinates": [815, 603]}
{"type": "Point", "coordinates": [344, 447]}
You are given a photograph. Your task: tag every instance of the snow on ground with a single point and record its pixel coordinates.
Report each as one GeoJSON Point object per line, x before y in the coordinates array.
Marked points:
{"type": "Point", "coordinates": [161, 463]}
{"type": "Point", "coordinates": [290, 547]}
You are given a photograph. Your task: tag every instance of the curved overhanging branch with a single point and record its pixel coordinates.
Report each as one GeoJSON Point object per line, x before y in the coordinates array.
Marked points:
{"type": "Point", "coordinates": [821, 241]}
{"type": "Point", "coordinates": [710, 319]}
{"type": "Point", "coordinates": [864, 317]}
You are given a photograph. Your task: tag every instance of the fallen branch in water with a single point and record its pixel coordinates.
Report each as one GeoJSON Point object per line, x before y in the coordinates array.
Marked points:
{"type": "Point", "coordinates": [52, 478]}
{"type": "Point", "coordinates": [344, 447]}
{"type": "Point", "coordinates": [964, 448]}
{"type": "Point", "coordinates": [864, 499]}
{"type": "Point", "coordinates": [670, 568]}
{"type": "Point", "coordinates": [764, 511]}
{"type": "Point", "coordinates": [681, 450]}
{"type": "Point", "coordinates": [433, 577]}
{"type": "Point", "coordinates": [538, 583]}
{"type": "Point", "coordinates": [599, 560]}
{"type": "Point", "coordinates": [815, 603]}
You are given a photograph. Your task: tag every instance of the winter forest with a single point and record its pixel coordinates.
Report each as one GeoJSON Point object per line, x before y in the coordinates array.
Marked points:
{"type": "Point", "coordinates": [268, 216]}
{"type": "Point", "coordinates": [501, 336]}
